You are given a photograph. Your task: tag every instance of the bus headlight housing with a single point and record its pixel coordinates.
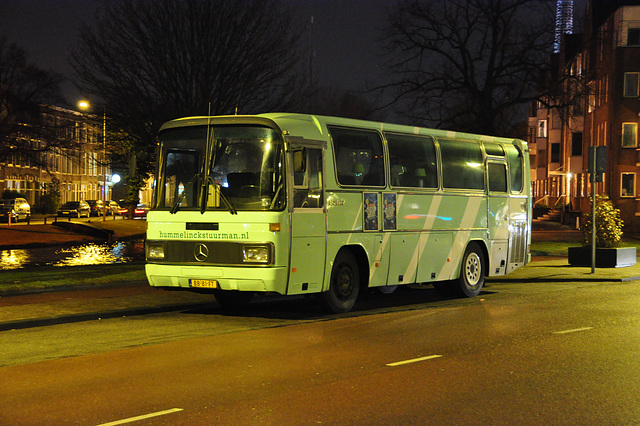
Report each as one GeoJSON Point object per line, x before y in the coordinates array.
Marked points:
{"type": "Point", "coordinates": [256, 253]}
{"type": "Point", "coordinates": [155, 251]}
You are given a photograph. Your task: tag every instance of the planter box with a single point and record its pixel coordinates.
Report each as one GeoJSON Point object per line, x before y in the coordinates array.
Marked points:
{"type": "Point", "coordinates": [605, 257]}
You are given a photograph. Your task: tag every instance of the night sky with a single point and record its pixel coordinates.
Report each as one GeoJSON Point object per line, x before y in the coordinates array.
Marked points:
{"type": "Point", "coordinates": [345, 34]}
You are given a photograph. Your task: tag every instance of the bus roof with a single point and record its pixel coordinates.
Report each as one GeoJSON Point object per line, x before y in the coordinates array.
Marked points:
{"type": "Point", "coordinates": [313, 126]}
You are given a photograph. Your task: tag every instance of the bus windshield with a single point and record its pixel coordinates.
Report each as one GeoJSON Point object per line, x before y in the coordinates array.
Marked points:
{"type": "Point", "coordinates": [243, 170]}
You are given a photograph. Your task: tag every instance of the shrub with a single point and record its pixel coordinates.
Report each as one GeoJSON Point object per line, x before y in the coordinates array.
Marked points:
{"type": "Point", "coordinates": [608, 224]}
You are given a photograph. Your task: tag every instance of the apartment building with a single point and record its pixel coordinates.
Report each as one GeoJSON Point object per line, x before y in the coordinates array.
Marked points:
{"type": "Point", "coordinates": [78, 163]}
{"type": "Point", "coordinates": [598, 104]}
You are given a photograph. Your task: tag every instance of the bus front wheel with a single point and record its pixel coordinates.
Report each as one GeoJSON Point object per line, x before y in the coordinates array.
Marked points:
{"type": "Point", "coordinates": [344, 286]}
{"type": "Point", "coordinates": [472, 272]}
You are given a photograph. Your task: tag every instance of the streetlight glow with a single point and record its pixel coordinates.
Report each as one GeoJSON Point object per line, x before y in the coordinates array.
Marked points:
{"type": "Point", "coordinates": [85, 105]}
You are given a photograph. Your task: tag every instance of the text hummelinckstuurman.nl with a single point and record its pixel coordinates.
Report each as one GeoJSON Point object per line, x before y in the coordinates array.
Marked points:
{"type": "Point", "coordinates": [198, 235]}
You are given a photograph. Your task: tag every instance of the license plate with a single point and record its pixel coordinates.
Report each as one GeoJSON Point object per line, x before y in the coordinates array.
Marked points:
{"type": "Point", "coordinates": [203, 283]}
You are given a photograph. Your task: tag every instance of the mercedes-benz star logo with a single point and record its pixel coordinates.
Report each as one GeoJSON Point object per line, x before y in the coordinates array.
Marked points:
{"type": "Point", "coordinates": [201, 252]}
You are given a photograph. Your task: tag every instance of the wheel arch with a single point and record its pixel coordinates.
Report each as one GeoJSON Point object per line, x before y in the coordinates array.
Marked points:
{"type": "Point", "coordinates": [485, 254]}
{"type": "Point", "coordinates": [362, 260]}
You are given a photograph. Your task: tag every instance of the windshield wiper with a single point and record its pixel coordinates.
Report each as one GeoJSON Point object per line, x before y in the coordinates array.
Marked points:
{"type": "Point", "coordinates": [276, 197]}
{"type": "Point", "coordinates": [176, 204]}
{"type": "Point", "coordinates": [227, 202]}
{"type": "Point", "coordinates": [209, 163]}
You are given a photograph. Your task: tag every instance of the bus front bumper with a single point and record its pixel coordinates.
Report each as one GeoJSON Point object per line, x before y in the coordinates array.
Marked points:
{"type": "Point", "coordinates": [202, 278]}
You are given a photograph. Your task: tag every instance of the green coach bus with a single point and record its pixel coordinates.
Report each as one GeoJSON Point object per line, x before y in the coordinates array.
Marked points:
{"type": "Point", "coordinates": [296, 204]}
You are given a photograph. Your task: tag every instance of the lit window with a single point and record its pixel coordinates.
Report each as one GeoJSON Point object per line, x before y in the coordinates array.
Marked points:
{"type": "Point", "coordinates": [542, 128]}
{"type": "Point", "coordinates": [628, 185]}
{"type": "Point", "coordinates": [629, 135]}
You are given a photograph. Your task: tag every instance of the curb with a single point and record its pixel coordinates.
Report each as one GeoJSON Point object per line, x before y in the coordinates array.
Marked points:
{"type": "Point", "coordinates": [71, 287]}
{"type": "Point", "coordinates": [85, 229]}
{"type": "Point", "coordinates": [92, 316]}
{"type": "Point", "coordinates": [563, 280]}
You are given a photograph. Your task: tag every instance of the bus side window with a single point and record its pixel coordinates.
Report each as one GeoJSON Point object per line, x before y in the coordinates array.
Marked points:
{"type": "Point", "coordinates": [358, 156]}
{"type": "Point", "coordinates": [514, 158]}
{"type": "Point", "coordinates": [307, 189]}
{"type": "Point", "coordinates": [497, 174]}
{"type": "Point", "coordinates": [413, 161]}
{"type": "Point", "coordinates": [299, 166]}
{"type": "Point", "coordinates": [462, 164]}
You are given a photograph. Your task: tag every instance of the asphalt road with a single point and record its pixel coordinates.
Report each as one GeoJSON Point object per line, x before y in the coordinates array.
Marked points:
{"type": "Point", "coordinates": [568, 356]}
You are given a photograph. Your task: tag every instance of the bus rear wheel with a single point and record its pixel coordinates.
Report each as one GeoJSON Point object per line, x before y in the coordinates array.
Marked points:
{"type": "Point", "coordinates": [472, 272]}
{"type": "Point", "coordinates": [344, 286]}
{"type": "Point", "coordinates": [233, 299]}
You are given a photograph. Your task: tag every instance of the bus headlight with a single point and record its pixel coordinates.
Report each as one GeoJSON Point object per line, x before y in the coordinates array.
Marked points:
{"type": "Point", "coordinates": [155, 251]}
{"type": "Point", "coordinates": [256, 254]}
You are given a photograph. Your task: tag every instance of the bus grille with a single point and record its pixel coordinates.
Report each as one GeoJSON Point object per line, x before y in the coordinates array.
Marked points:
{"type": "Point", "coordinates": [207, 253]}
{"type": "Point", "coordinates": [518, 242]}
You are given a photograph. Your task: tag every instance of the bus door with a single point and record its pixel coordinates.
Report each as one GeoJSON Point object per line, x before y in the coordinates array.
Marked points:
{"type": "Point", "coordinates": [308, 219]}
{"type": "Point", "coordinates": [519, 210]}
{"type": "Point", "coordinates": [498, 216]}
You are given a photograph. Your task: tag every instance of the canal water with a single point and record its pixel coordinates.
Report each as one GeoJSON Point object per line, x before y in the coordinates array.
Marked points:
{"type": "Point", "coordinates": [85, 254]}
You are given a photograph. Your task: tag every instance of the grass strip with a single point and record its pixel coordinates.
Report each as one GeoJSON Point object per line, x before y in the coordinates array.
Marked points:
{"type": "Point", "coordinates": [49, 277]}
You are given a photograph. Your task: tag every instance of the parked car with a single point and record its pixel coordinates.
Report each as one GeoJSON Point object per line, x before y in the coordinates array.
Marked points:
{"type": "Point", "coordinates": [17, 209]}
{"type": "Point", "coordinates": [112, 208]}
{"type": "Point", "coordinates": [123, 208]}
{"type": "Point", "coordinates": [141, 211]}
{"type": "Point", "coordinates": [96, 206]}
{"type": "Point", "coordinates": [74, 209]}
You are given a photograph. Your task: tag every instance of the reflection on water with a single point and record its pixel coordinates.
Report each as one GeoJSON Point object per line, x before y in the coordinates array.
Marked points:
{"type": "Point", "coordinates": [86, 254]}
{"type": "Point", "coordinates": [13, 259]}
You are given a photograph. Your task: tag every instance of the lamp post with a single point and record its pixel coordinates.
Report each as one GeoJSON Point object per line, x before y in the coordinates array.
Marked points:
{"type": "Point", "coordinates": [85, 105]}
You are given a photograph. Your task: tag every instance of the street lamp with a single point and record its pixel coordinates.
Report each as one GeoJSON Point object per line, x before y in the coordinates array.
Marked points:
{"type": "Point", "coordinates": [85, 105]}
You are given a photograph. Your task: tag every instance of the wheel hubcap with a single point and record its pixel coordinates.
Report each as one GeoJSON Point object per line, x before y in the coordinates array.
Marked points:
{"type": "Point", "coordinates": [344, 287]}
{"type": "Point", "coordinates": [473, 269]}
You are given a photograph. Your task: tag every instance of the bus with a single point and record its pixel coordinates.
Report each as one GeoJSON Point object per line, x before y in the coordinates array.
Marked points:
{"type": "Point", "coordinates": [296, 204]}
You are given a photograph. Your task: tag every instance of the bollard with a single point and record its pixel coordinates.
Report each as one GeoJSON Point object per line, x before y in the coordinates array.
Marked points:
{"type": "Point", "coordinates": [45, 220]}
{"type": "Point", "coordinates": [9, 219]}
{"type": "Point", "coordinates": [28, 219]}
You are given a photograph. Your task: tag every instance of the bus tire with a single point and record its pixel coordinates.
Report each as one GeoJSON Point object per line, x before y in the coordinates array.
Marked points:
{"type": "Point", "coordinates": [344, 286]}
{"type": "Point", "coordinates": [233, 299]}
{"type": "Point", "coordinates": [472, 272]}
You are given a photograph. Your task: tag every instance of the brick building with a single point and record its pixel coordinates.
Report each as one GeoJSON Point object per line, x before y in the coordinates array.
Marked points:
{"type": "Point", "coordinates": [81, 170]}
{"type": "Point", "coordinates": [598, 72]}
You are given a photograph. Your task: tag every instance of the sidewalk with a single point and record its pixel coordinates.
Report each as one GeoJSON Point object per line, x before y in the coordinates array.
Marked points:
{"type": "Point", "coordinates": [547, 269]}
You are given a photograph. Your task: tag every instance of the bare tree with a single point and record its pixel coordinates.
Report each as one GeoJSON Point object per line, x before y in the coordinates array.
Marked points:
{"type": "Point", "coordinates": [154, 60]}
{"type": "Point", "coordinates": [25, 131]}
{"type": "Point", "coordinates": [467, 64]}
